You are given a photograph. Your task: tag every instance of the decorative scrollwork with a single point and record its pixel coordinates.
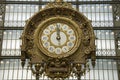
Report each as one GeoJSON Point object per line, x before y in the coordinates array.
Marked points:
{"type": "Point", "coordinates": [2, 12]}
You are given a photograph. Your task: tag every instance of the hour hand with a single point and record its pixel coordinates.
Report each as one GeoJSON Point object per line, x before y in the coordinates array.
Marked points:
{"type": "Point", "coordinates": [58, 32]}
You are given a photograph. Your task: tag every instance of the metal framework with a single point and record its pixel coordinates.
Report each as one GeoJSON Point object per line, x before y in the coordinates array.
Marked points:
{"type": "Point", "coordinates": [108, 60]}
{"type": "Point", "coordinates": [73, 2]}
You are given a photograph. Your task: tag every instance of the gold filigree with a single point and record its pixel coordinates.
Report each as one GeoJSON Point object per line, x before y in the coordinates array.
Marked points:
{"type": "Point", "coordinates": [58, 5]}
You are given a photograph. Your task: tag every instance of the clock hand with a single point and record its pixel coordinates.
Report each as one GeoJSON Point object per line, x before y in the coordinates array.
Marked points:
{"type": "Point", "coordinates": [58, 32]}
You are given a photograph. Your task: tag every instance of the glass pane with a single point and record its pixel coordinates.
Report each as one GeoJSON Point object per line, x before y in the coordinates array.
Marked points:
{"type": "Point", "coordinates": [99, 14]}
{"type": "Point", "coordinates": [17, 14]}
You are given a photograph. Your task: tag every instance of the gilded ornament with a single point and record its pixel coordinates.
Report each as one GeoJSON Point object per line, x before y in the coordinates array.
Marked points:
{"type": "Point", "coordinates": [58, 40]}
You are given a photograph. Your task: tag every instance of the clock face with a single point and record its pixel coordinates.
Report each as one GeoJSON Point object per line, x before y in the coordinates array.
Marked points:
{"type": "Point", "coordinates": [58, 37]}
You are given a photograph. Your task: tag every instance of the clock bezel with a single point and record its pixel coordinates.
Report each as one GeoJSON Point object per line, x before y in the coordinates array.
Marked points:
{"type": "Point", "coordinates": [46, 23]}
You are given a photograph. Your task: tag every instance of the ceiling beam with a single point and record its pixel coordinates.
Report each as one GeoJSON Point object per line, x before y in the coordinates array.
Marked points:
{"type": "Point", "coordinates": [95, 28]}
{"type": "Point", "coordinates": [73, 2]}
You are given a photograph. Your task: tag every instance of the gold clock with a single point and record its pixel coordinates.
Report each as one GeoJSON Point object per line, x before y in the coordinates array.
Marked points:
{"type": "Point", "coordinates": [58, 37]}
{"type": "Point", "coordinates": [58, 41]}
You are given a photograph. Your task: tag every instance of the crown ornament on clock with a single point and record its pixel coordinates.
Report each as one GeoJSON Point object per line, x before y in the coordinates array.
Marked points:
{"type": "Point", "coordinates": [58, 0]}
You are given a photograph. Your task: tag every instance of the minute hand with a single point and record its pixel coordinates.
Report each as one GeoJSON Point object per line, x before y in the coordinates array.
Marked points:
{"type": "Point", "coordinates": [58, 32]}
